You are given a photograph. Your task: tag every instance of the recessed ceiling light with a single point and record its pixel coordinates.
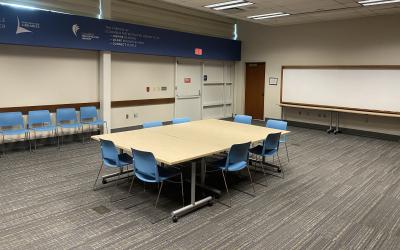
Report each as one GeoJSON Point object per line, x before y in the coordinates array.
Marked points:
{"type": "Point", "coordinates": [233, 6]}
{"type": "Point", "coordinates": [224, 3]}
{"type": "Point", "coordinates": [229, 4]}
{"type": "Point", "coordinates": [270, 15]}
{"type": "Point", "coordinates": [377, 2]}
{"type": "Point", "coordinates": [262, 15]}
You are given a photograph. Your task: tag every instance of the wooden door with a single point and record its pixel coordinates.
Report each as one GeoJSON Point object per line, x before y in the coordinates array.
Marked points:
{"type": "Point", "coordinates": [254, 92]}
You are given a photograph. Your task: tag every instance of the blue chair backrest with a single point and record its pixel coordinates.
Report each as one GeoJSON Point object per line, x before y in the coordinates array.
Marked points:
{"type": "Point", "coordinates": [109, 153]}
{"type": "Point", "coordinates": [246, 119]}
{"type": "Point", "coordinates": [89, 112]}
{"type": "Point", "coordinates": [271, 142]}
{"type": "Point", "coordinates": [38, 117]}
{"type": "Point", "coordinates": [276, 124]}
{"type": "Point", "coordinates": [152, 124]}
{"type": "Point", "coordinates": [180, 120]}
{"type": "Point", "coordinates": [66, 115]}
{"type": "Point", "coordinates": [145, 165]}
{"type": "Point", "coordinates": [11, 119]}
{"type": "Point", "coordinates": [238, 153]}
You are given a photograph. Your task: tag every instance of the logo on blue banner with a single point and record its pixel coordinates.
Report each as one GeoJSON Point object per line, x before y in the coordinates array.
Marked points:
{"type": "Point", "coordinates": [75, 29]}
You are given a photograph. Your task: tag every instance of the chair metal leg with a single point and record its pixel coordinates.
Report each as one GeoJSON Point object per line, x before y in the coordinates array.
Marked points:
{"type": "Point", "coordinates": [183, 195]}
{"type": "Point", "coordinates": [28, 138]}
{"type": "Point", "coordinates": [34, 139]}
{"type": "Point", "coordinates": [83, 136]}
{"type": "Point", "coordinates": [159, 192]}
{"type": "Point", "coordinates": [280, 165]}
{"type": "Point", "coordinates": [4, 146]}
{"type": "Point", "coordinates": [58, 139]}
{"type": "Point", "coordinates": [94, 186]}
{"type": "Point", "coordinates": [226, 186]}
{"type": "Point", "coordinates": [133, 180]}
{"type": "Point", "coordinates": [287, 152]}
{"type": "Point", "coordinates": [265, 174]}
{"type": "Point", "coordinates": [251, 179]}
{"type": "Point", "coordinates": [62, 137]}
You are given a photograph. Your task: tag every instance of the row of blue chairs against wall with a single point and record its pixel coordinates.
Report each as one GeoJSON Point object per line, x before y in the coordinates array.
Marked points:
{"type": "Point", "coordinates": [39, 121]}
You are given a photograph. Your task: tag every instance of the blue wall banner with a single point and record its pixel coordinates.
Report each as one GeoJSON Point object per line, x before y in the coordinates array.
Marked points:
{"type": "Point", "coordinates": [51, 29]}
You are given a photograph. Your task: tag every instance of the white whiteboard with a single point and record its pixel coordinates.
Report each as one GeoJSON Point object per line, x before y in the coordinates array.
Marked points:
{"type": "Point", "coordinates": [366, 89]}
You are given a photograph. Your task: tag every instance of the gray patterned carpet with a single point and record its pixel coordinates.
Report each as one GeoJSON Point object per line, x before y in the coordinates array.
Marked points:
{"type": "Point", "coordinates": [340, 192]}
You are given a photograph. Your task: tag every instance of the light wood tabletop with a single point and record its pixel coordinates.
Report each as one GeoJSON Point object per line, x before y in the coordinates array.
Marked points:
{"type": "Point", "coordinates": [174, 144]}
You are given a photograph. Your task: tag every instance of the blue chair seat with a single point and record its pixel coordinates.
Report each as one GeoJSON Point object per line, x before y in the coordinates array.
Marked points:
{"type": "Point", "coordinates": [44, 128]}
{"type": "Point", "coordinates": [163, 174]}
{"type": "Point", "coordinates": [14, 132]}
{"type": "Point", "coordinates": [259, 149]}
{"type": "Point", "coordinates": [70, 125]}
{"type": "Point", "coordinates": [233, 167]}
{"type": "Point", "coordinates": [124, 160]}
{"type": "Point", "coordinates": [94, 123]}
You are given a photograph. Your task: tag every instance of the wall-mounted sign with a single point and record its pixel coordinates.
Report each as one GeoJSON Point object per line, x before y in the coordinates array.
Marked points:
{"type": "Point", "coordinates": [273, 81]}
{"type": "Point", "coordinates": [187, 80]}
{"type": "Point", "coordinates": [198, 51]}
{"type": "Point", "coordinates": [50, 29]}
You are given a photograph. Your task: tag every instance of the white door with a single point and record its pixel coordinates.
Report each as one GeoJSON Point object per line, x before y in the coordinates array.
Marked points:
{"type": "Point", "coordinates": [188, 89]}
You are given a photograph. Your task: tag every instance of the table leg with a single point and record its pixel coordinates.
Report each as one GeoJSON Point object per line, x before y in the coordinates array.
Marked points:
{"type": "Point", "coordinates": [193, 204]}
{"type": "Point", "coordinates": [337, 130]}
{"type": "Point", "coordinates": [330, 130]}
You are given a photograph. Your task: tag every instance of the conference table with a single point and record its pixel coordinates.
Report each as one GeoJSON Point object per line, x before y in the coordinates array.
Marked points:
{"type": "Point", "coordinates": [188, 142]}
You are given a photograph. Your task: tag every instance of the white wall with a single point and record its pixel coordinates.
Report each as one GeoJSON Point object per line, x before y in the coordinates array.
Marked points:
{"type": "Point", "coordinates": [131, 75]}
{"type": "Point", "coordinates": [40, 76]}
{"type": "Point", "coordinates": [366, 41]}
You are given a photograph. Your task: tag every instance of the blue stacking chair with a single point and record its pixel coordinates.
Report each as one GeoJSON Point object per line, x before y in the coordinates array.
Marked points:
{"type": "Point", "coordinates": [180, 120]}
{"type": "Point", "coordinates": [269, 148]}
{"type": "Point", "coordinates": [88, 116]}
{"type": "Point", "coordinates": [282, 125]}
{"type": "Point", "coordinates": [236, 160]}
{"type": "Point", "coordinates": [66, 119]}
{"type": "Point", "coordinates": [246, 119]}
{"type": "Point", "coordinates": [112, 159]}
{"type": "Point", "coordinates": [12, 123]}
{"type": "Point", "coordinates": [152, 124]}
{"type": "Point", "coordinates": [40, 121]}
{"type": "Point", "coordinates": [147, 170]}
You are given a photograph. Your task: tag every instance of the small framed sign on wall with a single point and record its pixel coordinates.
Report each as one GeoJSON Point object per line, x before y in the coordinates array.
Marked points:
{"type": "Point", "coordinates": [273, 81]}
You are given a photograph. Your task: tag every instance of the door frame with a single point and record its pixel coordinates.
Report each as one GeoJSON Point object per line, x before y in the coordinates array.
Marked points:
{"type": "Point", "coordinates": [265, 77]}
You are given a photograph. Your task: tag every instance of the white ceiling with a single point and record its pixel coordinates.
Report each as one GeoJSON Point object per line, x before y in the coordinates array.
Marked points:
{"type": "Point", "coordinates": [302, 11]}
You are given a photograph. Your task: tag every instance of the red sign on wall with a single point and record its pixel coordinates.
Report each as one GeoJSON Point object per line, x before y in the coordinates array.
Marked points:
{"type": "Point", "coordinates": [198, 51]}
{"type": "Point", "coordinates": [187, 80]}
